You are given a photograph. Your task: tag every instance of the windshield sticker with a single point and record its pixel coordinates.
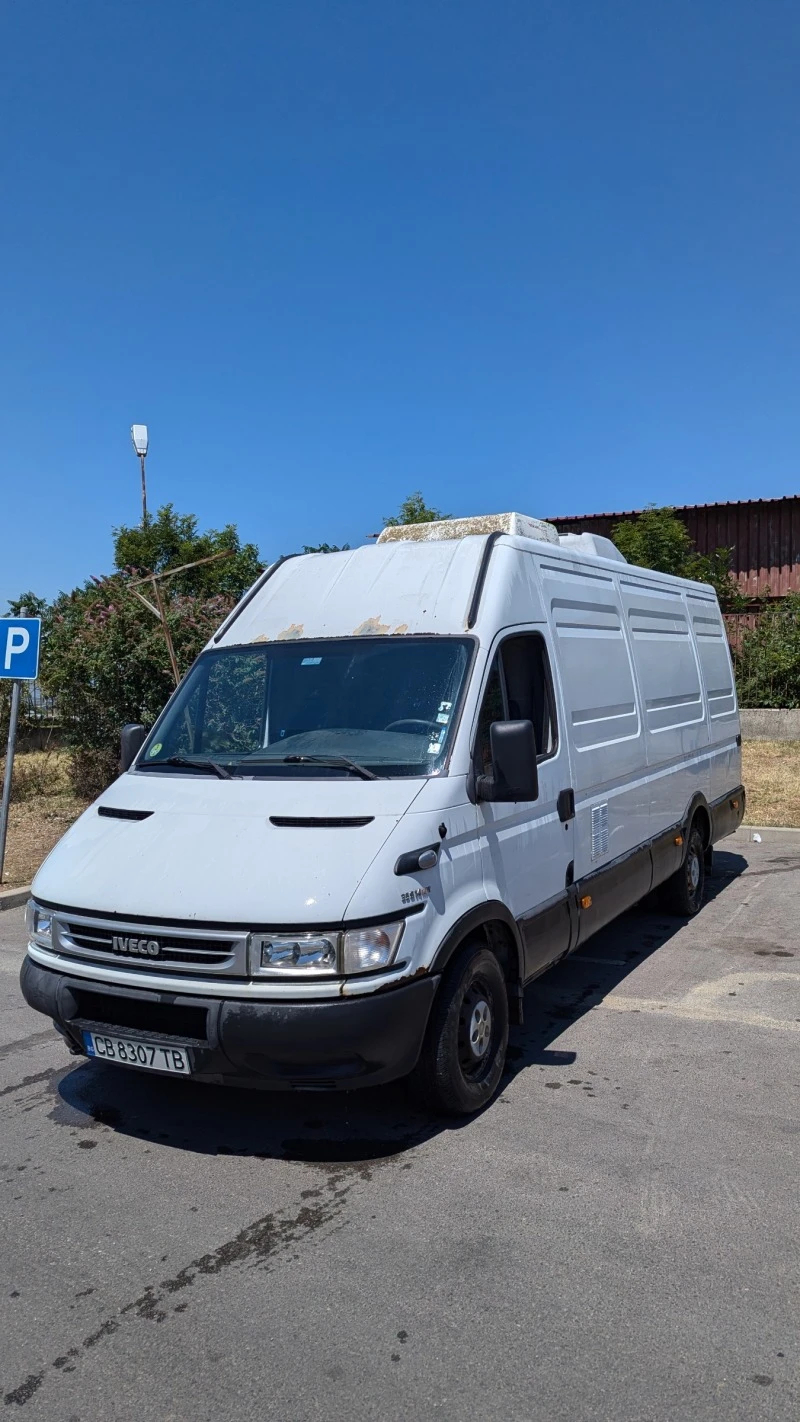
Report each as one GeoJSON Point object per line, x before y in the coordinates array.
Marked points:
{"type": "Point", "coordinates": [311, 661]}
{"type": "Point", "coordinates": [445, 705]}
{"type": "Point", "coordinates": [443, 718]}
{"type": "Point", "coordinates": [156, 748]}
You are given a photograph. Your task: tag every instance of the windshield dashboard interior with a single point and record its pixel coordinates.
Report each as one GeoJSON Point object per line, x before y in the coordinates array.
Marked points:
{"type": "Point", "coordinates": [372, 707]}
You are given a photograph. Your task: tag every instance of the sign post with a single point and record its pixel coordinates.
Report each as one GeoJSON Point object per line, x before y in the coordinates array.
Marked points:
{"type": "Point", "coordinates": [20, 639]}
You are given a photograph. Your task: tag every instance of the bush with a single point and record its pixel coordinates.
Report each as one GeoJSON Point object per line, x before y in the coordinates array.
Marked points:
{"type": "Point", "coordinates": [768, 660]}
{"type": "Point", "coordinates": [28, 781]}
{"type": "Point", "coordinates": [91, 771]}
{"type": "Point", "coordinates": [36, 773]}
{"type": "Point", "coordinates": [105, 658]}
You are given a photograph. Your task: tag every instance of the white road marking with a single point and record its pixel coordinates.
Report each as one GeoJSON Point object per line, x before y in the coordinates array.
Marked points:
{"type": "Point", "coordinates": [704, 1005]}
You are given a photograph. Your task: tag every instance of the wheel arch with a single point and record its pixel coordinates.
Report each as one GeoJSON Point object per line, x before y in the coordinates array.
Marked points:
{"type": "Point", "coordinates": [699, 815]}
{"type": "Point", "coordinates": [494, 922]}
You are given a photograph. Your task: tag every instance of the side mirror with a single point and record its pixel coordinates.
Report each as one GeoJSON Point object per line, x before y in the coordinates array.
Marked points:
{"type": "Point", "coordinates": [516, 775]}
{"type": "Point", "coordinates": [132, 738]}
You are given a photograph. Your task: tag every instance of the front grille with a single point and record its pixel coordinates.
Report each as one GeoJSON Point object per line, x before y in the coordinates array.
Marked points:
{"type": "Point", "coordinates": [148, 948]}
{"type": "Point", "coordinates": [173, 950]}
{"type": "Point", "coordinates": [158, 1019]}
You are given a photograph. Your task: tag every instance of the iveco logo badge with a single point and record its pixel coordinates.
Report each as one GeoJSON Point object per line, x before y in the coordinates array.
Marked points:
{"type": "Point", "coordinates": [145, 947]}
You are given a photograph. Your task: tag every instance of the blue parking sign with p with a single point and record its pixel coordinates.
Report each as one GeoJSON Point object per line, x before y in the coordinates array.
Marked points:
{"type": "Point", "coordinates": [20, 638]}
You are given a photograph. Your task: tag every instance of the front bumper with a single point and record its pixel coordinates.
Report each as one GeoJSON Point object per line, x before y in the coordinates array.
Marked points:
{"type": "Point", "coordinates": [337, 1043]}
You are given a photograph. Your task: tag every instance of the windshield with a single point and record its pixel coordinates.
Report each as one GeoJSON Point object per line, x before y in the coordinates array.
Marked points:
{"type": "Point", "coordinates": [386, 705]}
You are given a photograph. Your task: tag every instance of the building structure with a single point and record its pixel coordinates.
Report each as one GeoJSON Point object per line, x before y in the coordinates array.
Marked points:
{"type": "Point", "coordinates": [763, 535]}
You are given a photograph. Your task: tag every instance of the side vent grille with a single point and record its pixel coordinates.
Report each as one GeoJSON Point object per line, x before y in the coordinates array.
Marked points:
{"type": "Point", "coordinates": [599, 830]}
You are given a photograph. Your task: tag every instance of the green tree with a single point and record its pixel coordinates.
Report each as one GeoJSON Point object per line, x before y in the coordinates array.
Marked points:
{"type": "Point", "coordinates": [715, 568]}
{"type": "Point", "coordinates": [34, 606]}
{"type": "Point", "coordinates": [414, 510]}
{"type": "Point", "coordinates": [657, 538]}
{"type": "Point", "coordinates": [326, 547]}
{"type": "Point", "coordinates": [171, 539]}
{"type": "Point", "coordinates": [104, 655]}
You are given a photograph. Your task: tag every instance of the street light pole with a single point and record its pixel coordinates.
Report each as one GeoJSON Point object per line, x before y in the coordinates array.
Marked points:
{"type": "Point", "coordinates": [140, 441]}
{"type": "Point", "coordinates": [144, 491]}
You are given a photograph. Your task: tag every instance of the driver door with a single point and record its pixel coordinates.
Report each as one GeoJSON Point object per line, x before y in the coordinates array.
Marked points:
{"type": "Point", "coordinates": [527, 848]}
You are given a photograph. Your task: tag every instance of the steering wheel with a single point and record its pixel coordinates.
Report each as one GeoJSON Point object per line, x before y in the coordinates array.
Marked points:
{"type": "Point", "coordinates": [413, 721]}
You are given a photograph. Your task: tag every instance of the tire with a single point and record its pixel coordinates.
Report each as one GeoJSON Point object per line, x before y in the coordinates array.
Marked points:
{"type": "Point", "coordinates": [683, 892]}
{"type": "Point", "coordinates": [464, 1051]}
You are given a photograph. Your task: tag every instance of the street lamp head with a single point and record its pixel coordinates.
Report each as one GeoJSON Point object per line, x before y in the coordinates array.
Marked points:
{"type": "Point", "coordinates": [139, 437]}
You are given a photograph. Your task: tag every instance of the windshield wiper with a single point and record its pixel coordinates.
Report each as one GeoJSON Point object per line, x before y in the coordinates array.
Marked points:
{"type": "Point", "coordinates": [194, 763]}
{"type": "Point", "coordinates": [334, 761]}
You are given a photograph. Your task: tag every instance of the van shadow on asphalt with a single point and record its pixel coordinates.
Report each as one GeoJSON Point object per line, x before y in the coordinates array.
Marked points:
{"type": "Point", "coordinates": [375, 1124]}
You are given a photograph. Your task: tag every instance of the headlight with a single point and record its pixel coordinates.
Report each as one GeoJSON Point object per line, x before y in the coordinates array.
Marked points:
{"type": "Point", "coordinates": [39, 924]}
{"type": "Point", "coordinates": [365, 949]}
{"type": "Point", "coordinates": [293, 953]}
{"type": "Point", "coordinates": [324, 955]}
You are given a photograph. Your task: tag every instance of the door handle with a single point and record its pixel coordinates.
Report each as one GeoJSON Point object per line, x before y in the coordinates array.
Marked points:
{"type": "Point", "coordinates": [565, 805]}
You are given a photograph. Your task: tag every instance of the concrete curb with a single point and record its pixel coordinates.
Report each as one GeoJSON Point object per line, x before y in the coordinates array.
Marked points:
{"type": "Point", "coordinates": [14, 898]}
{"type": "Point", "coordinates": [765, 829]}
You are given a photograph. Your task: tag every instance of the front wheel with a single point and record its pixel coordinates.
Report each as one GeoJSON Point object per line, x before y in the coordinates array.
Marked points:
{"type": "Point", "coordinates": [684, 891]}
{"type": "Point", "coordinates": [464, 1051]}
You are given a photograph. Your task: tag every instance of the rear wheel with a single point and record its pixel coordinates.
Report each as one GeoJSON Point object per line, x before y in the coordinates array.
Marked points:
{"type": "Point", "coordinates": [683, 892]}
{"type": "Point", "coordinates": [464, 1051]}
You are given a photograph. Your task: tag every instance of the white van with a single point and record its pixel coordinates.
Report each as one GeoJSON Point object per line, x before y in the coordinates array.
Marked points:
{"type": "Point", "coordinates": [399, 784]}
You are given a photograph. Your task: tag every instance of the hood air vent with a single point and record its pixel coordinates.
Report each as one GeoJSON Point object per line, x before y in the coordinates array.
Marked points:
{"type": "Point", "coordinates": [318, 822]}
{"type": "Point", "coordinates": [110, 812]}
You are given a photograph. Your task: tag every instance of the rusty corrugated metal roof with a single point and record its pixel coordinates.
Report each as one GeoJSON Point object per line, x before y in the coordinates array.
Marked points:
{"type": "Point", "coordinates": [679, 508]}
{"type": "Point", "coordinates": [763, 535]}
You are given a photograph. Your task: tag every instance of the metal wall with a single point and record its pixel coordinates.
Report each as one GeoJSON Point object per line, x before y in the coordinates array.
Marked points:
{"type": "Point", "coordinates": [763, 533]}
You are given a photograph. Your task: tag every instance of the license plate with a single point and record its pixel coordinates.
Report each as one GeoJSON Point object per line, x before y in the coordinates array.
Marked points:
{"type": "Point", "coordinates": [150, 1056]}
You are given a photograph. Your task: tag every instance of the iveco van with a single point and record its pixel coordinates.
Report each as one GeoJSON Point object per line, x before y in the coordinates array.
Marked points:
{"type": "Point", "coordinates": [398, 784]}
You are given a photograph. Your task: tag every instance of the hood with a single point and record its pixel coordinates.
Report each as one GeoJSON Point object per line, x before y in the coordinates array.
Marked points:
{"type": "Point", "coordinates": [208, 851]}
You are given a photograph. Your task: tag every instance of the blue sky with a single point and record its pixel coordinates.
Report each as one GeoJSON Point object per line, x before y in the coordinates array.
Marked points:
{"type": "Point", "coordinates": [531, 254]}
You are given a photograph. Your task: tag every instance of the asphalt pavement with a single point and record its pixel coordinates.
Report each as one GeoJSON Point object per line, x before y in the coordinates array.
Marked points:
{"type": "Point", "coordinates": [616, 1237]}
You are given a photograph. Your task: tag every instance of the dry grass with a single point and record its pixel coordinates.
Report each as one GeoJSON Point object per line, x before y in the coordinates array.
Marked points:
{"type": "Point", "coordinates": [771, 775]}
{"type": "Point", "coordinates": [43, 806]}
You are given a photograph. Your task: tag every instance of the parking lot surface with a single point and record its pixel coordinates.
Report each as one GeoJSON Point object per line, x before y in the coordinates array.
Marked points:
{"type": "Point", "coordinates": [616, 1237]}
